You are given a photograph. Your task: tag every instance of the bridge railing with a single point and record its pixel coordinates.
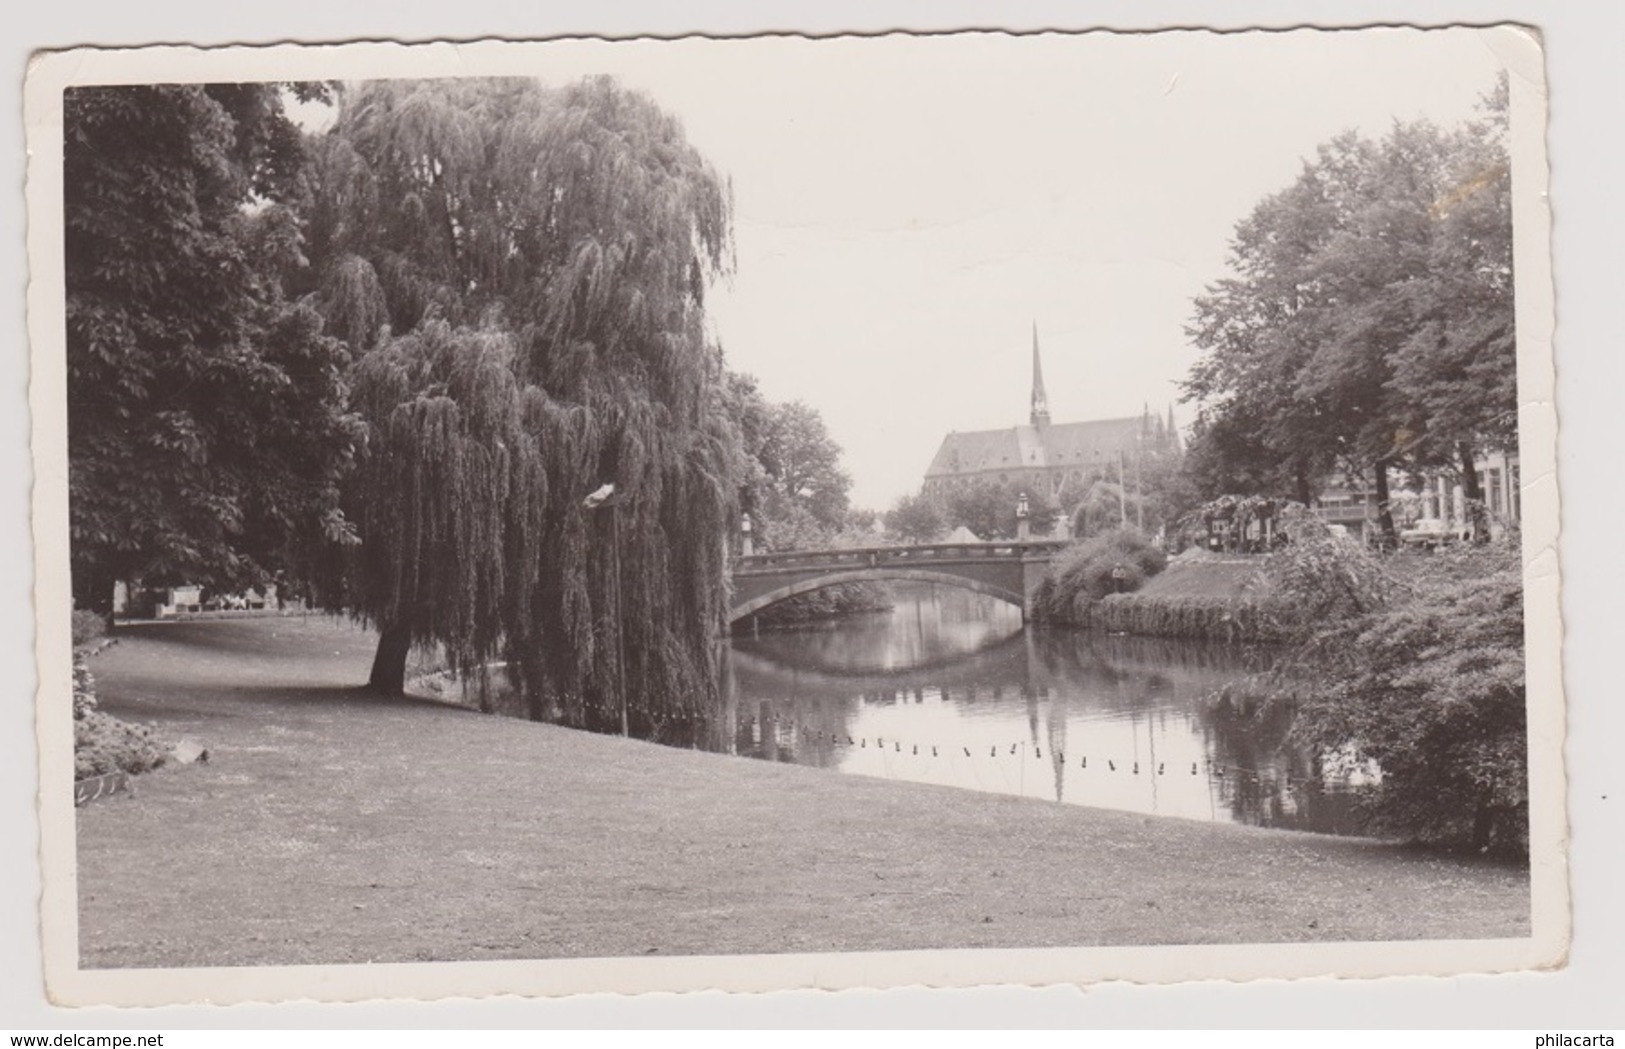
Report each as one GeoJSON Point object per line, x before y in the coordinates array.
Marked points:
{"type": "Point", "coordinates": [867, 556]}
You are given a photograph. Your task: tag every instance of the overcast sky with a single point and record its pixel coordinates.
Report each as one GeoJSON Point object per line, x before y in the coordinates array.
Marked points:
{"type": "Point", "coordinates": [907, 208]}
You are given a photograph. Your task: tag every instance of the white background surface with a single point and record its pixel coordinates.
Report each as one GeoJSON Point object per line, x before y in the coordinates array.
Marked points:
{"type": "Point", "coordinates": [1586, 90]}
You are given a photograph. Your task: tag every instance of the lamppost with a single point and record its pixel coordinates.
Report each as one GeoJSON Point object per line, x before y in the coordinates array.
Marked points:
{"type": "Point", "coordinates": [604, 496]}
{"type": "Point", "coordinates": [746, 547]}
{"type": "Point", "coordinates": [1023, 530]}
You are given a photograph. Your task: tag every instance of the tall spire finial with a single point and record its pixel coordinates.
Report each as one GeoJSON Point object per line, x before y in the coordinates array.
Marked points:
{"type": "Point", "coordinates": [1040, 410]}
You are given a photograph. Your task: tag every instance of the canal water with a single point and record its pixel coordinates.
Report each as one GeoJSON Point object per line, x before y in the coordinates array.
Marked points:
{"type": "Point", "coordinates": [949, 688]}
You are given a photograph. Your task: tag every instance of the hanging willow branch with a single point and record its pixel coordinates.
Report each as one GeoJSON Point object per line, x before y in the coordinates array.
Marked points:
{"type": "Point", "coordinates": [542, 259]}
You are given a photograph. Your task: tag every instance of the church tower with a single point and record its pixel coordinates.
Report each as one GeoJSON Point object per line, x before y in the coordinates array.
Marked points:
{"type": "Point", "coordinates": [1040, 410]}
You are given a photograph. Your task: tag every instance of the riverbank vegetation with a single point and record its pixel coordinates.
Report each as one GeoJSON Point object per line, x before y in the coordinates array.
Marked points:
{"type": "Point", "coordinates": [1427, 682]}
{"type": "Point", "coordinates": [1121, 583]}
{"type": "Point", "coordinates": [1192, 617]}
{"type": "Point", "coordinates": [1410, 662]}
{"type": "Point", "coordinates": [1115, 562]}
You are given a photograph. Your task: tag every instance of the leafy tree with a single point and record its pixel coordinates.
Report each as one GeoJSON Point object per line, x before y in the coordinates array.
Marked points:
{"type": "Point", "coordinates": [1459, 366]}
{"type": "Point", "coordinates": [566, 238]}
{"type": "Point", "coordinates": [988, 508]}
{"type": "Point", "coordinates": [206, 422]}
{"type": "Point", "coordinates": [451, 495]}
{"type": "Point", "coordinates": [792, 483]}
{"type": "Point", "coordinates": [1368, 321]}
{"type": "Point", "coordinates": [915, 519]}
{"type": "Point", "coordinates": [1228, 455]}
{"type": "Point", "coordinates": [1256, 328]}
{"type": "Point", "coordinates": [804, 463]}
{"type": "Point", "coordinates": [861, 519]}
{"type": "Point", "coordinates": [1169, 490]}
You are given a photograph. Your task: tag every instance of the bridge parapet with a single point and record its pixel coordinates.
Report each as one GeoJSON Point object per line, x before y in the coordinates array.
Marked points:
{"type": "Point", "coordinates": [1008, 571]}
{"type": "Point", "coordinates": [876, 556]}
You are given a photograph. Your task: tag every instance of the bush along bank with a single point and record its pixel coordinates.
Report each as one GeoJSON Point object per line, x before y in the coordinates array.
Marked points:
{"type": "Point", "coordinates": [1408, 668]}
{"type": "Point", "coordinates": [1119, 582]}
{"type": "Point", "coordinates": [102, 743]}
{"type": "Point", "coordinates": [1232, 620]}
{"type": "Point", "coordinates": [1113, 562]}
{"type": "Point", "coordinates": [1424, 678]}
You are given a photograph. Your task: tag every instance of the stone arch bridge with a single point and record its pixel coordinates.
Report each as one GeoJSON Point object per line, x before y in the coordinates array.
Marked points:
{"type": "Point", "coordinates": [1008, 571]}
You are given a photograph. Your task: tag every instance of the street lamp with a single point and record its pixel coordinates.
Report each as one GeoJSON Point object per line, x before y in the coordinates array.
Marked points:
{"type": "Point", "coordinates": [746, 547]}
{"type": "Point", "coordinates": [1022, 509]}
{"type": "Point", "coordinates": [604, 496]}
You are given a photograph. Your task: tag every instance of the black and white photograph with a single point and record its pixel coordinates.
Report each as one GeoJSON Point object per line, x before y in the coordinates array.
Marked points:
{"type": "Point", "coordinates": [795, 512]}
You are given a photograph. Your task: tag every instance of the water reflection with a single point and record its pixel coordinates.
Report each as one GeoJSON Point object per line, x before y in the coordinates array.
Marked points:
{"type": "Point", "coordinates": [948, 688]}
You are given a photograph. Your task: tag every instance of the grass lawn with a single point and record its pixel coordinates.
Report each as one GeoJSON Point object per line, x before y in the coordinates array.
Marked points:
{"type": "Point", "coordinates": [330, 826]}
{"type": "Point", "coordinates": [1216, 578]}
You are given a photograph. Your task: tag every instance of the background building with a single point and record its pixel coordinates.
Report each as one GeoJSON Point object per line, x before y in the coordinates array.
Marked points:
{"type": "Point", "coordinates": [1060, 461]}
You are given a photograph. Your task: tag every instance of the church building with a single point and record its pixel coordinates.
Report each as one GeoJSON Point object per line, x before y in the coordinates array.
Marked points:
{"type": "Point", "coordinates": [1060, 459]}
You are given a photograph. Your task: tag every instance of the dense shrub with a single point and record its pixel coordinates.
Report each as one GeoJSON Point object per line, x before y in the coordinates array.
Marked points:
{"type": "Point", "coordinates": [1187, 616]}
{"type": "Point", "coordinates": [103, 743]}
{"type": "Point", "coordinates": [1319, 576]}
{"type": "Point", "coordinates": [87, 626]}
{"type": "Point", "coordinates": [1430, 686]}
{"type": "Point", "coordinates": [1083, 576]}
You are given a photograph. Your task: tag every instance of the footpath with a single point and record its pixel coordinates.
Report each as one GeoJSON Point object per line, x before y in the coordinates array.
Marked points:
{"type": "Point", "coordinates": [331, 826]}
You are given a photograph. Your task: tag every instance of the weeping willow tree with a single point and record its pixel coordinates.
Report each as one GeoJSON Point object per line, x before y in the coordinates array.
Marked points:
{"type": "Point", "coordinates": [523, 273]}
{"type": "Point", "coordinates": [451, 474]}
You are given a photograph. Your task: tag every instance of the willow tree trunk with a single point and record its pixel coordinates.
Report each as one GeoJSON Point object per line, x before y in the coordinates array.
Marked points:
{"type": "Point", "coordinates": [1385, 509]}
{"type": "Point", "coordinates": [1472, 491]}
{"type": "Point", "coordinates": [388, 676]}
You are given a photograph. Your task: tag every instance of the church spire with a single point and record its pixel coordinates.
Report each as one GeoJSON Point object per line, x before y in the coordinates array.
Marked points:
{"type": "Point", "coordinates": [1040, 412]}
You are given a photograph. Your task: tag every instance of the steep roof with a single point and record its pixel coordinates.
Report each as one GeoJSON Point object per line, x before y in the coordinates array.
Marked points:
{"type": "Point", "coordinates": [1068, 444]}
{"type": "Point", "coordinates": [1058, 445]}
{"type": "Point", "coordinates": [973, 451]}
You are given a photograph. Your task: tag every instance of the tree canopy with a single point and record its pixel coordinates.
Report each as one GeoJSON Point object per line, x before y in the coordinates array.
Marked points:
{"type": "Point", "coordinates": [1367, 321]}
{"type": "Point", "coordinates": [793, 485]}
{"type": "Point", "coordinates": [916, 519]}
{"type": "Point", "coordinates": [206, 421]}
{"type": "Point", "coordinates": [523, 271]}
{"type": "Point", "coordinates": [987, 507]}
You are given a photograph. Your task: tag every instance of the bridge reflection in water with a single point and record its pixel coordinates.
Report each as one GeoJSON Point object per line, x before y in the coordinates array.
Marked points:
{"type": "Point", "coordinates": [949, 688]}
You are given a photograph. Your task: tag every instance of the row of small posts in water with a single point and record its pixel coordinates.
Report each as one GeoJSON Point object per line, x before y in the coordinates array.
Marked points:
{"type": "Point", "coordinates": [787, 735]}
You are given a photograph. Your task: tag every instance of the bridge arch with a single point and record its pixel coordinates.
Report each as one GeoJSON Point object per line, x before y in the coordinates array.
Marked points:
{"type": "Point", "coordinates": [875, 574]}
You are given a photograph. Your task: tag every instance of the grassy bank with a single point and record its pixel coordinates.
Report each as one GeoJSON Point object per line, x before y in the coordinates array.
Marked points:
{"type": "Point", "coordinates": [330, 826]}
{"type": "Point", "coordinates": [1200, 598]}
{"type": "Point", "coordinates": [1197, 596]}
